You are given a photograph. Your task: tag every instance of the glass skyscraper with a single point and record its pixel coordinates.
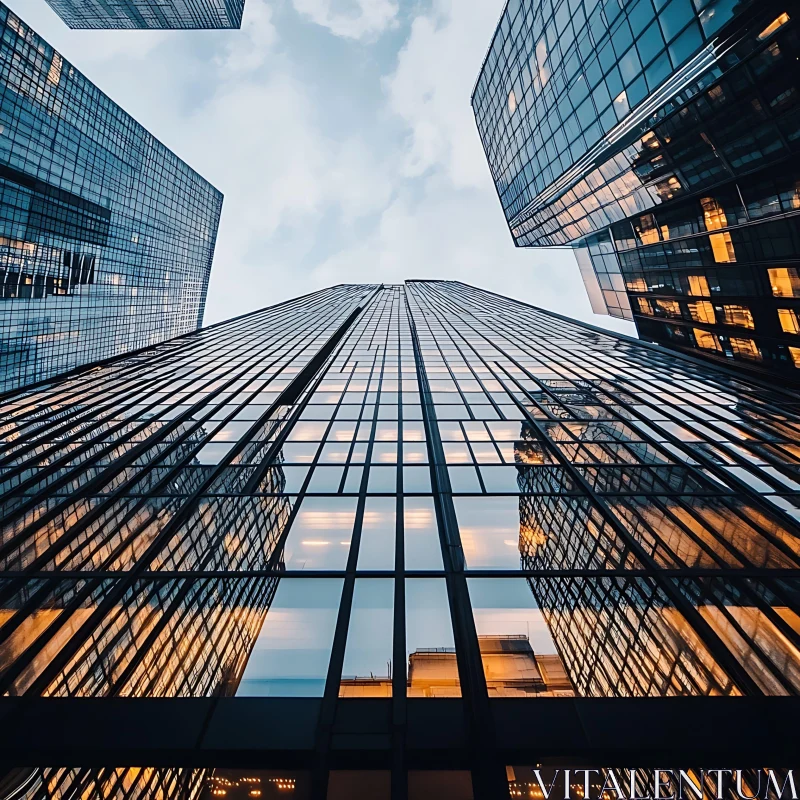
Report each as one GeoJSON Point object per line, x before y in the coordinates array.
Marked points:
{"type": "Point", "coordinates": [154, 14]}
{"type": "Point", "coordinates": [106, 236]}
{"type": "Point", "coordinates": [393, 542]}
{"type": "Point", "coordinates": [661, 141]}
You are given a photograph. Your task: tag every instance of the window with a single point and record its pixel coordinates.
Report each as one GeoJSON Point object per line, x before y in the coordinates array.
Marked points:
{"type": "Point", "coordinates": [706, 339]}
{"type": "Point", "coordinates": [785, 281]}
{"type": "Point", "coordinates": [722, 248]}
{"type": "Point", "coordinates": [789, 320]}
{"type": "Point", "coordinates": [778, 22]}
{"type": "Point", "coordinates": [698, 286]}
{"type": "Point", "coordinates": [746, 348]}
{"type": "Point", "coordinates": [739, 316]}
{"type": "Point", "coordinates": [702, 311]}
{"type": "Point", "coordinates": [512, 102]}
{"type": "Point", "coordinates": [794, 352]}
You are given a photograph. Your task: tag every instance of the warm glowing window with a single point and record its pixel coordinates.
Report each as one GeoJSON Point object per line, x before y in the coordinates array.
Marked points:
{"type": "Point", "coordinates": [649, 140]}
{"type": "Point", "coordinates": [635, 285]}
{"type": "Point", "coordinates": [706, 339]}
{"type": "Point", "coordinates": [646, 229]}
{"type": "Point", "coordinates": [738, 315]}
{"type": "Point", "coordinates": [671, 307]}
{"type": "Point", "coordinates": [722, 248]}
{"type": "Point", "coordinates": [698, 286]}
{"type": "Point", "coordinates": [794, 352]}
{"type": "Point", "coordinates": [713, 214]}
{"type": "Point", "coordinates": [789, 320]}
{"type": "Point", "coordinates": [746, 348]}
{"type": "Point", "coordinates": [778, 22]}
{"type": "Point", "coordinates": [702, 311]}
{"type": "Point", "coordinates": [512, 102]}
{"type": "Point", "coordinates": [645, 306]}
{"type": "Point", "coordinates": [785, 281]}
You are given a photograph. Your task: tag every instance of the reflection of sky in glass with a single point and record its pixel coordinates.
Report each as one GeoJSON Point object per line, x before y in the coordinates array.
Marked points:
{"type": "Point", "coordinates": [377, 547]}
{"type": "Point", "coordinates": [506, 607]}
{"type": "Point", "coordinates": [422, 547]}
{"type": "Point", "coordinates": [489, 529]}
{"type": "Point", "coordinates": [320, 535]}
{"type": "Point", "coordinates": [291, 654]}
{"type": "Point", "coordinates": [369, 638]}
{"type": "Point", "coordinates": [427, 614]}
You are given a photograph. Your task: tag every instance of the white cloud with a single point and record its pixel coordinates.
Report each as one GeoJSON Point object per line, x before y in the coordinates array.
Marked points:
{"type": "Point", "coordinates": [248, 51]}
{"type": "Point", "coordinates": [430, 89]}
{"type": "Point", "coordinates": [352, 19]}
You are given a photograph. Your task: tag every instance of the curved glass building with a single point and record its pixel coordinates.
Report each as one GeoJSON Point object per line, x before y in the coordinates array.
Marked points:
{"type": "Point", "coordinates": [659, 140]}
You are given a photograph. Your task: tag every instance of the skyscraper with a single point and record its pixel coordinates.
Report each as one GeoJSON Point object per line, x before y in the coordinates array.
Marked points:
{"type": "Point", "coordinates": [387, 541]}
{"type": "Point", "coordinates": [105, 14]}
{"type": "Point", "coordinates": [106, 236]}
{"type": "Point", "coordinates": [660, 141]}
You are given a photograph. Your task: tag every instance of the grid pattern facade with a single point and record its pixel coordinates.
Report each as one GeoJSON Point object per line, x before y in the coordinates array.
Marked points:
{"type": "Point", "coordinates": [422, 492]}
{"type": "Point", "coordinates": [143, 14]}
{"type": "Point", "coordinates": [682, 204]}
{"type": "Point", "coordinates": [106, 236]}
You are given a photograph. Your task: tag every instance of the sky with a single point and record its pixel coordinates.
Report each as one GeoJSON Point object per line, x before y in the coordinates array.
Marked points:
{"type": "Point", "coordinates": [341, 134]}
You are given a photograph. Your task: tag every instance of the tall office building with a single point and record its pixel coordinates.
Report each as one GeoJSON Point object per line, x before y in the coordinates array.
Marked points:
{"type": "Point", "coordinates": [106, 236]}
{"type": "Point", "coordinates": [343, 546]}
{"type": "Point", "coordinates": [153, 14]}
{"type": "Point", "coordinates": [661, 141]}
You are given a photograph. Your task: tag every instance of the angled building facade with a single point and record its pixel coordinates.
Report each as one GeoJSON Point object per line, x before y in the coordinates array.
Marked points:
{"type": "Point", "coordinates": [149, 14]}
{"type": "Point", "coordinates": [344, 546]}
{"type": "Point", "coordinates": [661, 142]}
{"type": "Point", "coordinates": [106, 236]}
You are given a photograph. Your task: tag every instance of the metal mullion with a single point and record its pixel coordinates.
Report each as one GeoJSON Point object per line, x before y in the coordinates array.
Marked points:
{"type": "Point", "coordinates": [399, 777]}
{"type": "Point", "coordinates": [333, 679]}
{"type": "Point", "coordinates": [488, 774]}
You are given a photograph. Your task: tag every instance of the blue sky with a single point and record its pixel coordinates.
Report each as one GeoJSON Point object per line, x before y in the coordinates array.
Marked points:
{"type": "Point", "coordinates": [341, 134]}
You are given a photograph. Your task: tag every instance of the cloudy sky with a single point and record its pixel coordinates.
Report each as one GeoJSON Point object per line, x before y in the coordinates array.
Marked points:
{"type": "Point", "coordinates": [340, 132]}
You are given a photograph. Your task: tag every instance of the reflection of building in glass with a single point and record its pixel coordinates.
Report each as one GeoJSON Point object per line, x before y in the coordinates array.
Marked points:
{"type": "Point", "coordinates": [662, 144]}
{"type": "Point", "coordinates": [511, 667]}
{"type": "Point", "coordinates": [623, 636]}
{"type": "Point", "coordinates": [106, 237]}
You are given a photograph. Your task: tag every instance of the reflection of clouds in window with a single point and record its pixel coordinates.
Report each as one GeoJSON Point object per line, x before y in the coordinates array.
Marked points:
{"type": "Point", "coordinates": [512, 102]}
{"type": "Point", "coordinates": [291, 654]}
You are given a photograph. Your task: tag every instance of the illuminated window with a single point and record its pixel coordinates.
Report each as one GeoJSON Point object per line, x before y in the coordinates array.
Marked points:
{"type": "Point", "coordinates": [698, 286]}
{"type": "Point", "coordinates": [785, 281]}
{"type": "Point", "coordinates": [713, 214]}
{"type": "Point", "coordinates": [738, 315]}
{"type": "Point", "coordinates": [668, 188]}
{"type": "Point", "coordinates": [702, 311]}
{"type": "Point", "coordinates": [650, 141]}
{"type": "Point", "coordinates": [512, 102]}
{"type": "Point", "coordinates": [706, 339]}
{"type": "Point", "coordinates": [746, 348]}
{"type": "Point", "coordinates": [778, 22]}
{"type": "Point", "coordinates": [646, 229]}
{"type": "Point", "coordinates": [789, 320]}
{"type": "Point", "coordinates": [672, 308]}
{"type": "Point", "coordinates": [645, 306]}
{"type": "Point", "coordinates": [794, 352]}
{"type": "Point", "coordinates": [722, 248]}
{"type": "Point", "coordinates": [635, 285]}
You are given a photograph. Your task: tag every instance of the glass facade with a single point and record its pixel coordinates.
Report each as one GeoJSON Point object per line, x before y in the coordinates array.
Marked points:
{"type": "Point", "coordinates": [379, 535]}
{"type": "Point", "coordinates": [660, 140]}
{"type": "Point", "coordinates": [154, 14]}
{"type": "Point", "coordinates": [106, 236]}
